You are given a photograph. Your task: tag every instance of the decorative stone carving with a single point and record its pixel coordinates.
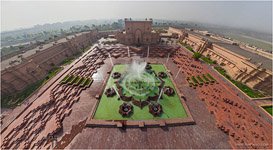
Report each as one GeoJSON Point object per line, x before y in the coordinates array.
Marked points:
{"type": "Point", "coordinates": [125, 109]}
{"type": "Point", "coordinates": [162, 75]}
{"type": "Point", "coordinates": [116, 75]}
{"type": "Point", "coordinates": [155, 109]}
{"type": "Point", "coordinates": [110, 92]}
{"type": "Point", "coordinates": [169, 91]}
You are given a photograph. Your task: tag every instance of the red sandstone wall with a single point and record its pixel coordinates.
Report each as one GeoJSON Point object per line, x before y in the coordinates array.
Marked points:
{"type": "Point", "coordinates": [134, 27]}
{"type": "Point", "coordinates": [237, 66]}
{"type": "Point", "coordinates": [35, 67]}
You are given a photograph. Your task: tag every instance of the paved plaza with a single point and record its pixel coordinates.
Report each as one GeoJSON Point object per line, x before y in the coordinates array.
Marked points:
{"type": "Point", "coordinates": [58, 114]}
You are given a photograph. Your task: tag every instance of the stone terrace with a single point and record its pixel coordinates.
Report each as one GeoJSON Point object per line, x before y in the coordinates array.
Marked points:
{"type": "Point", "coordinates": [59, 113]}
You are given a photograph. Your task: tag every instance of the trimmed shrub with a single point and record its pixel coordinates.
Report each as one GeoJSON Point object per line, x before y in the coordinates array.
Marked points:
{"type": "Point", "coordinates": [194, 80]}
{"type": "Point", "coordinates": [206, 79]}
{"type": "Point", "coordinates": [196, 56]}
{"type": "Point", "coordinates": [200, 79]}
{"type": "Point", "coordinates": [210, 77]}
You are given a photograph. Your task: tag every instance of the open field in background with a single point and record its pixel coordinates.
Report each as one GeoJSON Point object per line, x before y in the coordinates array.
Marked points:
{"type": "Point", "coordinates": [253, 41]}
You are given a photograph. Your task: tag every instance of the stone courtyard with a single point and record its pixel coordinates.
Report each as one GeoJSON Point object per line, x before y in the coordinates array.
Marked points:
{"type": "Point", "coordinates": [62, 113]}
{"type": "Point", "coordinates": [63, 107]}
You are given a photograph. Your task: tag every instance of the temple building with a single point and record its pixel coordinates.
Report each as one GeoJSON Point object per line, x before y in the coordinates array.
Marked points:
{"type": "Point", "coordinates": [138, 33]}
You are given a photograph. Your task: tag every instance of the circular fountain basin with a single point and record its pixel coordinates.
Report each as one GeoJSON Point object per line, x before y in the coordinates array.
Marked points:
{"type": "Point", "coordinates": [140, 86]}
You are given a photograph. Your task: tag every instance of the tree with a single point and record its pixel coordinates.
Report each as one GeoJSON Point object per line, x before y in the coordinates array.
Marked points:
{"type": "Point", "coordinates": [196, 55]}
{"type": "Point", "coordinates": [21, 47]}
{"type": "Point", "coordinates": [116, 25]}
{"type": "Point", "coordinates": [86, 28]}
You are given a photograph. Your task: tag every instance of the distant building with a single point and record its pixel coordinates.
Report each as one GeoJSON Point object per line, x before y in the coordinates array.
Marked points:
{"type": "Point", "coordinates": [138, 33]}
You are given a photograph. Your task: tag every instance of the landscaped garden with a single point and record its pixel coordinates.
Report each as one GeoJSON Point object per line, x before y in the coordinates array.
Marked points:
{"type": "Point", "coordinates": [268, 109]}
{"type": "Point", "coordinates": [144, 96]}
{"type": "Point", "coordinates": [200, 80]}
{"type": "Point", "coordinates": [77, 80]}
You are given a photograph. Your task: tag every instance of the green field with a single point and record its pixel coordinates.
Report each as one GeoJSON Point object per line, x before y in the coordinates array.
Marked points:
{"type": "Point", "coordinates": [268, 109]}
{"type": "Point", "coordinates": [253, 41]}
{"type": "Point", "coordinates": [108, 107]}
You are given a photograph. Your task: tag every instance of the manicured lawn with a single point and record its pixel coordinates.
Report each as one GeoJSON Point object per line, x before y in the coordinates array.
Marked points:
{"type": "Point", "coordinates": [250, 92]}
{"type": "Point", "coordinates": [268, 109]}
{"type": "Point", "coordinates": [108, 108]}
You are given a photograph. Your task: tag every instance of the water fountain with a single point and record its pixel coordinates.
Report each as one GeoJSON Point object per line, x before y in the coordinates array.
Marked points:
{"type": "Point", "coordinates": [137, 68]}
{"type": "Point", "coordinates": [137, 82]}
{"type": "Point", "coordinates": [128, 51]}
{"type": "Point", "coordinates": [161, 92]}
{"type": "Point", "coordinates": [116, 91]}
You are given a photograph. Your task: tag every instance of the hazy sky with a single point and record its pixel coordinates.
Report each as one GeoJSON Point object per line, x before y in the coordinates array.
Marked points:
{"type": "Point", "coordinates": [251, 15]}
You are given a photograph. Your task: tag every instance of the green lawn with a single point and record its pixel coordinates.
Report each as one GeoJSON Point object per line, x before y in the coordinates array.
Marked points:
{"type": "Point", "coordinates": [250, 92]}
{"type": "Point", "coordinates": [109, 106]}
{"type": "Point", "coordinates": [268, 109]}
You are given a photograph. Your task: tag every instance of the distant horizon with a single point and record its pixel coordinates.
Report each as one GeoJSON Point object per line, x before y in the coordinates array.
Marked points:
{"type": "Point", "coordinates": [186, 22]}
{"type": "Point", "coordinates": [251, 15]}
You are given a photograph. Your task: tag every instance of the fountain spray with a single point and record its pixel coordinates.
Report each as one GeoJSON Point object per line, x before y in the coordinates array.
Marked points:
{"type": "Point", "coordinates": [160, 94]}
{"type": "Point", "coordinates": [137, 68]}
{"type": "Point", "coordinates": [116, 91]}
{"type": "Point", "coordinates": [128, 51]}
